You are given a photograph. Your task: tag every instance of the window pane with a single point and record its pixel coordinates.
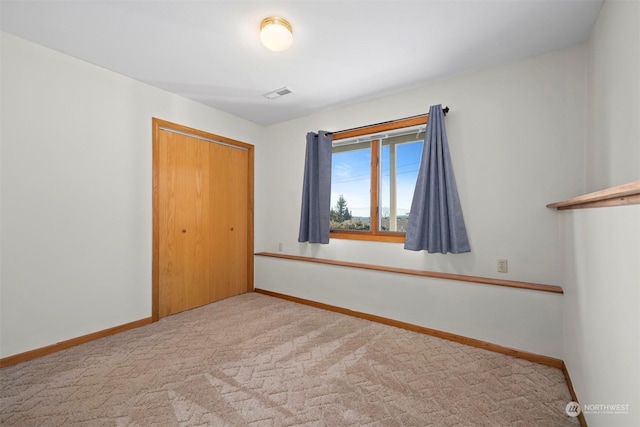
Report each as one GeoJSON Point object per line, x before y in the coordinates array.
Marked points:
{"type": "Point", "coordinates": [351, 187]}
{"type": "Point", "coordinates": [399, 163]}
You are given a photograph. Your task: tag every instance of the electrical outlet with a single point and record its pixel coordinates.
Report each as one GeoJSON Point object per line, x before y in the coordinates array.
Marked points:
{"type": "Point", "coordinates": [503, 266]}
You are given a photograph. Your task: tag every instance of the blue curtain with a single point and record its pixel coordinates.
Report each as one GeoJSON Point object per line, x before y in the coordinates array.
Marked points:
{"type": "Point", "coordinates": [435, 221]}
{"type": "Point", "coordinates": [316, 189]}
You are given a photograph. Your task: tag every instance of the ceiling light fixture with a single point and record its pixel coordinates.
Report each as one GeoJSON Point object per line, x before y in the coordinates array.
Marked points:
{"type": "Point", "coordinates": [276, 33]}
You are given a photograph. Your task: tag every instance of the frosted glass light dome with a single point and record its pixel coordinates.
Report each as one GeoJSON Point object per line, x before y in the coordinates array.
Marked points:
{"type": "Point", "coordinates": [276, 33]}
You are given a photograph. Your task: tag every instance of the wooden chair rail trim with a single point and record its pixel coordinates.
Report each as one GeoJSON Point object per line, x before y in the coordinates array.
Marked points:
{"type": "Point", "coordinates": [626, 194]}
{"type": "Point", "coordinates": [422, 273]}
{"type": "Point", "coordinates": [43, 351]}
{"type": "Point", "coordinates": [532, 357]}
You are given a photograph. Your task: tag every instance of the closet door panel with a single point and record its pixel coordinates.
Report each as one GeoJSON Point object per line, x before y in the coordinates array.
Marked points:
{"type": "Point", "coordinates": [229, 195]}
{"type": "Point", "coordinates": [184, 223]}
{"type": "Point", "coordinates": [239, 222]}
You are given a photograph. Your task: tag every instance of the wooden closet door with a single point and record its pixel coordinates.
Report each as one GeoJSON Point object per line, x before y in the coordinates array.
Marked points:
{"type": "Point", "coordinates": [203, 215]}
{"type": "Point", "coordinates": [229, 233]}
{"type": "Point", "coordinates": [185, 221]}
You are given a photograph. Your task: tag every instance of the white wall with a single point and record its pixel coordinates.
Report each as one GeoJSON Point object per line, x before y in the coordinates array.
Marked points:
{"type": "Point", "coordinates": [516, 135]}
{"type": "Point", "coordinates": [613, 144]}
{"type": "Point", "coordinates": [601, 246]}
{"type": "Point", "coordinates": [76, 193]}
{"type": "Point", "coordinates": [515, 318]}
{"type": "Point", "coordinates": [602, 322]}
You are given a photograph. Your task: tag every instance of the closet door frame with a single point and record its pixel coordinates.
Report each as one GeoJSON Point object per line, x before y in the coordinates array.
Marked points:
{"type": "Point", "coordinates": [158, 125]}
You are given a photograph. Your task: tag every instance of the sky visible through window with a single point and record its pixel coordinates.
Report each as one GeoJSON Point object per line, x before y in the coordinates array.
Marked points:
{"type": "Point", "coordinates": [351, 177]}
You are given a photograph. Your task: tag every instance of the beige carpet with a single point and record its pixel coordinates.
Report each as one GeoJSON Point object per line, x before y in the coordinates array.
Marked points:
{"type": "Point", "coordinates": [261, 361]}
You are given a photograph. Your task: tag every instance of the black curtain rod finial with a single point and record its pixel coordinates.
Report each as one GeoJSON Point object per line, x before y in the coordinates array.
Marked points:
{"type": "Point", "coordinates": [445, 110]}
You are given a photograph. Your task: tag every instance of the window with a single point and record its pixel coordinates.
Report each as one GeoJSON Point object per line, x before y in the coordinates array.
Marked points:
{"type": "Point", "coordinates": [373, 176]}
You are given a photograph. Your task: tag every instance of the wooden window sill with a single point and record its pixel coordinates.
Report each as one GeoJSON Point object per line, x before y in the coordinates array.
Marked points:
{"type": "Point", "coordinates": [368, 236]}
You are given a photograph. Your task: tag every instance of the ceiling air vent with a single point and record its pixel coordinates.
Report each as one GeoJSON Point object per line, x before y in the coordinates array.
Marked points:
{"type": "Point", "coordinates": [277, 93]}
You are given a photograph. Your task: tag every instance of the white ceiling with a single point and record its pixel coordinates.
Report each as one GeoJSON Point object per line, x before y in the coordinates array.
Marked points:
{"type": "Point", "coordinates": [344, 51]}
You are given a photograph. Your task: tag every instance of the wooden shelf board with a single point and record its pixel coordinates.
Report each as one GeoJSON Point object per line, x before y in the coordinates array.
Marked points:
{"type": "Point", "coordinates": [423, 273]}
{"type": "Point", "coordinates": [626, 194]}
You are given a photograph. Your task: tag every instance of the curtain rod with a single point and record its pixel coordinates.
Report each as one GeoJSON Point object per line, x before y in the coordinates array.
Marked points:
{"type": "Point", "coordinates": [445, 110]}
